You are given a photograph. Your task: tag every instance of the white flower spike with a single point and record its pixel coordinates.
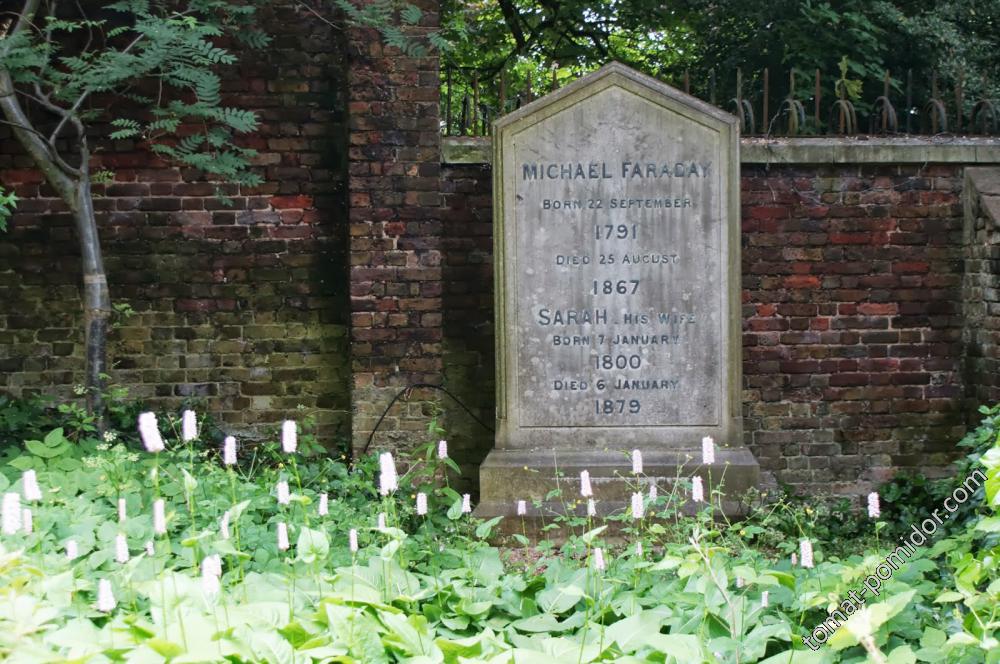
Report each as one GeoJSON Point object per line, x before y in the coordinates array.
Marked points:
{"type": "Point", "coordinates": [105, 597]}
{"type": "Point", "coordinates": [121, 549]}
{"type": "Point", "coordinates": [189, 426]}
{"type": "Point", "coordinates": [352, 539]}
{"type": "Point", "coordinates": [697, 490]}
{"type": "Point", "coordinates": [324, 504]}
{"type": "Point", "coordinates": [388, 480]}
{"type": "Point", "coordinates": [636, 462]}
{"type": "Point", "coordinates": [806, 552]}
{"type": "Point", "coordinates": [229, 451]}
{"type": "Point", "coordinates": [29, 483]}
{"type": "Point", "coordinates": [122, 511]}
{"type": "Point", "coordinates": [522, 507]}
{"type": "Point", "coordinates": [150, 433]}
{"type": "Point", "coordinates": [707, 451]}
{"type": "Point", "coordinates": [874, 509]}
{"type": "Point", "coordinates": [159, 517]}
{"type": "Point", "coordinates": [283, 495]}
{"type": "Point", "coordinates": [442, 449]}
{"type": "Point", "coordinates": [72, 550]}
{"type": "Point", "coordinates": [11, 513]}
{"type": "Point", "coordinates": [422, 504]}
{"type": "Point", "coordinates": [638, 509]}
{"type": "Point", "coordinates": [282, 536]}
{"type": "Point", "coordinates": [289, 437]}
{"type": "Point", "coordinates": [466, 504]}
{"type": "Point", "coordinates": [599, 559]}
{"type": "Point", "coordinates": [586, 491]}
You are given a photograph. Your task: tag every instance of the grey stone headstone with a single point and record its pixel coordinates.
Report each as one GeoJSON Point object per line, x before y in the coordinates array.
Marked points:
{"type": "Point", "coordinates": [617, 274]}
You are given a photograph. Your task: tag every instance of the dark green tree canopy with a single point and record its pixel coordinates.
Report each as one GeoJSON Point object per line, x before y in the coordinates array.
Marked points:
{"type": "Point", "coordinates": [709, 40]}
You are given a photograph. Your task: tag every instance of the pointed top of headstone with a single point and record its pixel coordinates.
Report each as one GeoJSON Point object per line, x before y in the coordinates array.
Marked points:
{"type": "Point", "coordinates": [622, 76]}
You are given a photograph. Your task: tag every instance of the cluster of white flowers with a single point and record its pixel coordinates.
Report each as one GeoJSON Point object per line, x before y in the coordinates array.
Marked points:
{"type": "Point", "coordinates": [707, 451]}
{"type": "Point", "coordinates": [586, 490]}
{"type": "Point", "coordinates": [211, 572]}
{"type": "Point", "coordinates": [282, 536]}
{"type": "Point", "coordinates": [121, 549]}
{"type": "Point", "coordinates": [150, 433]}
{"type": "Point", "coordinates": [638, 509]}
{"type": "Point", "coordinates": [806, 552]}
{"type": "Point", "coordinates": [388, 480]}
{"type": "Point", "coordinates": [189, 426]}
{"type": "Point", "coordinates": [636, 462]}
{"type": "Point", "coordinates": [105, 597]}
{"type": "Point", "coordinates": [598, 559]}
{"type": "Point", "coordinates": [874, 509]}
{"type": "Point", "coordinates": [229, 451]}
{"type": "Point", "coordinates": [697, 490]}
{"type": "Point", "coordinates": [29, 484]}
{"type": "Point", "coordinates": [11, 513]}
{"type": "Point", "coordinates": [289, 437]}
{"type": "Point", "coordinates": [283, 495]}
{"type": "Point", "coordinates": [159, 517]}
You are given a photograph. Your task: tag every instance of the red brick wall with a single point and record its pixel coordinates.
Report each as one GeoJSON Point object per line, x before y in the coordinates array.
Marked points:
{"type": "Point", "coordinates": [395, 234]}
{"type": "Point", "coordinates": [242, 306]}
{"type": "Point", "coordinates": [981, 287]}
{"type": "Point", "coordinates": [853, 363]}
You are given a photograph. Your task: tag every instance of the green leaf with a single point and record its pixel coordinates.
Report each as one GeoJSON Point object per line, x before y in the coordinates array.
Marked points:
{"type": "Point", "coordinates": [312, 545]}
{"type": "Point", "coordinates": [484, 529]}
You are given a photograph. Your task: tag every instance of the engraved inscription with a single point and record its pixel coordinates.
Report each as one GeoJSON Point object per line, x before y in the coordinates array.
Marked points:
{"type": "Point", "coordinates": [619, 282]}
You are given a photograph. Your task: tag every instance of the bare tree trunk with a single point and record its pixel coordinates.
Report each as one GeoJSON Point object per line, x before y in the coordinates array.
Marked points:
{"type": "Point", "coordinates": [73, 186]}
{"type": "Point", "coordinates": [96, 301]}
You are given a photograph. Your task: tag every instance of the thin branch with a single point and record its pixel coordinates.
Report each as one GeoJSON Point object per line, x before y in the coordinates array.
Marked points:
{"type": "Point", "coordinates": [319, 16]}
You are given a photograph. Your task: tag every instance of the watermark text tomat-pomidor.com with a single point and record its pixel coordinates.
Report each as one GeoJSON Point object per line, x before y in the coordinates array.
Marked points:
{"type": "Point", "coordinates": [913, 539]}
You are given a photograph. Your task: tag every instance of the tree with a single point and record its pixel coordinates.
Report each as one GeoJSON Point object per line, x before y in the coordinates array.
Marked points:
{"type": "Point", "coordinates": [63, 68]}
{"type": "Point", "coordinates": [710, 39]}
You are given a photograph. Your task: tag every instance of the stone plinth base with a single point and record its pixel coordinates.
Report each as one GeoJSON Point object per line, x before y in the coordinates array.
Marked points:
{"type": "Point", "coordinates": [507, 476]}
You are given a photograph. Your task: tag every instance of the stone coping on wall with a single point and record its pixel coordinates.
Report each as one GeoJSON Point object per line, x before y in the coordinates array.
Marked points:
{"type": "Point", "coordinates": [824, 150]}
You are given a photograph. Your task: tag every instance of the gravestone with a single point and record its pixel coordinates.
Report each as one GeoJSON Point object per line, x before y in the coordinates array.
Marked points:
{"type": "Point", "coordinates": [617, 260]}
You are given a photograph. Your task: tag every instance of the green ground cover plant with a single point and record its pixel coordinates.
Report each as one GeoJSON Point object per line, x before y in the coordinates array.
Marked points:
{"type": "Point", "coordinates": [275, 552]}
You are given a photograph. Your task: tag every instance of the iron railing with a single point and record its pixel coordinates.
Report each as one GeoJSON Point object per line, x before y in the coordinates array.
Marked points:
{"type": "Point", "coordinates": [471, 99]}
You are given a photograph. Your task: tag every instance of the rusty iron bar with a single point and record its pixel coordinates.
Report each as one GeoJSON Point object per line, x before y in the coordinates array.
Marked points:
{"type": "Point", "coordinates": [555, 76]}
{"type": "Point", "coordinates": [463, 128]}
{"type": "Point", "coordinates": [447, 107]}
{"type": "Point", "coordinates": [687, 82]}
{"type": "Point", "coordinates": [936, 112]}
{"type": "Point", "coordinates": [959, 98]}
{"type": "Point", "coordinates": [816, 106]}
{"type": "Point", "coordinates": [744, 109]}
{"type": "Point", "coordinates": [984, 111]}
{"type": "Point", "coordinates": [475, 102]}
{"type": "Point", "coordinates": [909, 101]}
{"type": "Point", "coordinates": [793, 108]}
{"type": "Point", "coordinates": [763, 117]}
{"type": "Point", "coordinates": [711, 86]}
{"type": "Point", "coordinates": [883, 111]}
{"type": "Point", "coordinates": [847, 117]}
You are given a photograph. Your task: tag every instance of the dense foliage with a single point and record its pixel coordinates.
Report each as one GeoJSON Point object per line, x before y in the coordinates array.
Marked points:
{"type": "Point", "coordinates": [672, 586]}
{"type": "Point", "coordinates": [530, 37]}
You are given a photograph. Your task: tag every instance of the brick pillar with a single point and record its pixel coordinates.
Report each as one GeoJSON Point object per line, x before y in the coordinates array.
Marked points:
{"type": "Point", "coordinates": [395, 232]}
